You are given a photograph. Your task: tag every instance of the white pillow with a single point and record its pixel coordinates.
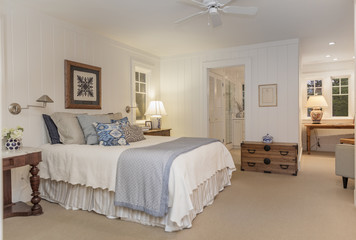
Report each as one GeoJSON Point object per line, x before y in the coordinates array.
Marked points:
{"type": "Point", "coordinates": [115, 116]}
{"type": "Point", "coordinates": [69, 128]}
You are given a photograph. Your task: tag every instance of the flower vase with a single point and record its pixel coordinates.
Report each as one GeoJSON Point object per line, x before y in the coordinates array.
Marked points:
{"type": "Point", "coordinates": [12, 144]}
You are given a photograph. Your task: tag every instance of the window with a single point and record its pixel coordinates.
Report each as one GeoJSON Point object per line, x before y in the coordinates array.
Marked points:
{"type": "Point", "coordinates": [140, 94]}
{"type": "Point", "coordinates": [340, 96]}
{"type": "Point", "coordinates": [314, 87]}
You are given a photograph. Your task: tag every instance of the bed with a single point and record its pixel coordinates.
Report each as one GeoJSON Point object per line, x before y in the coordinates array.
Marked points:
{"type": "Point", "coordinates": [80, 176]}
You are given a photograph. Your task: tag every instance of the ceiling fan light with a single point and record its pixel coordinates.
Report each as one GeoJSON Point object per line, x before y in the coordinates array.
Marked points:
{"type": "Point", "coordinates": [213, 11]}
{"type": "Point", "coordinates": [215, 20]}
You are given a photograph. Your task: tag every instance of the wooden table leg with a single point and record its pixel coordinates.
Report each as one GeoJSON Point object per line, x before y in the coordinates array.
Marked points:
{"type": "Point", "coordinates": [308, 139]}
{"type": "Point", "coordinates": [35, 183]}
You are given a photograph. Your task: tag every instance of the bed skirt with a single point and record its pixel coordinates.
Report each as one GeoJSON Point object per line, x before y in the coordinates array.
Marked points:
{"type": "Point", "coordinates": [101, 201]}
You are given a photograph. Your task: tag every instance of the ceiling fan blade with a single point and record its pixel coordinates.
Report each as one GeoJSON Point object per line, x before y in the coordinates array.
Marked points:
{"type": "Point", "coordinates": [215, 18]}
{"type": "Point", "coordinates": [240, 10]}
{"type": "Point", "coordinates": [224, 2]}
{"type": "Point", "coordinates": [193, 15]}
{"type": "Point", "coordinates": [199, 3]}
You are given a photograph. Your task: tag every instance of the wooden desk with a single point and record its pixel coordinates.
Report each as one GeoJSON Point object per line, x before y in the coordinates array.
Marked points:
{"type": "Point", "coordinates": [347, 141]}
{"type": "Point", "coordinates": [24, 156]}
{"type": "Point", "coordinates": [310, 127]}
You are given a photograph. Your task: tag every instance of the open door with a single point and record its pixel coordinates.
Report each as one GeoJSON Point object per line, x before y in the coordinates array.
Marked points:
{"type": "Point", "coordinates": [216, 107]}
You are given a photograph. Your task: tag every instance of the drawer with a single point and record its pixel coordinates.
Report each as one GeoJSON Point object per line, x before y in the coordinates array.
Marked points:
{"type": "Point", "coordinates": [272, 159]}
{"type": "Point", "coordinates": [277, 168]}
{"type": "Point", "coordinates": [249, 166]}
{"type": "Point", "coordinates": [270, 147]}
{"type": "Point", "coordinates": [269, 165]}
{"type": "Point", "coordinates": [277, 154]}
{"type": "Point", "coordinates": [159, 133]}
{"type": "Point", "coordinates": [11, 162]}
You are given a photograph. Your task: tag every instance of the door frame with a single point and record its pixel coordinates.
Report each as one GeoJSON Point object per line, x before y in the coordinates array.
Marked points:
{"type": "Point", "coordinates": [217, 76]}
{"type": "Point", "coordinates": [205, 86]}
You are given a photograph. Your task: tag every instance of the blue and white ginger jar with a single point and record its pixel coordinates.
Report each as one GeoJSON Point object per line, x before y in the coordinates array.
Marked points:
{"type": "Point", "coordinates": [267, 139]}
{"type": "Point", "coordinates": [13, 144]}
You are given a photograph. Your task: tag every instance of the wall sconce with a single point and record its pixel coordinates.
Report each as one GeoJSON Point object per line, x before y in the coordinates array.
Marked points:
{"type": "Point", "coordinates": [128, 109]}
{"type": "Point", "coordinates": [15, 108]}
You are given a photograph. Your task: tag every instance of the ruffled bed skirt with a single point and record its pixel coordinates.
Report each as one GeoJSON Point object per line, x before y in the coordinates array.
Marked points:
{"type": "Point", "coordinates": [102, 201]}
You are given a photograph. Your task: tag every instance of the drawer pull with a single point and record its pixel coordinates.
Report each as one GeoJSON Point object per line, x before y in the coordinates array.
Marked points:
{"type": "Point", "coordinates": [284, 153]}
{"type": "Point", "coordinates": [267, 161]}
{"type": "Point", "coordinates": [267, 148]}
{"type": "Point", "coordinates": [252, 151]}
{"type": "Point", "coordinates": [251, 164]}
{"type": "Point", "coordinates": [284, 166]}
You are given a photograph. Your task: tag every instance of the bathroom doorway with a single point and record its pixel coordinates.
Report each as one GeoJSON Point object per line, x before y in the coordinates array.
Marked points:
{"type": "Point", "coordinates": [227, 104]}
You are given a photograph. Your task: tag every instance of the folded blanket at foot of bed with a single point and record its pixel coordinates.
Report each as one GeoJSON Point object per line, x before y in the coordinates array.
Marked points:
{"type": "Point", "coordinates": [143, 173]}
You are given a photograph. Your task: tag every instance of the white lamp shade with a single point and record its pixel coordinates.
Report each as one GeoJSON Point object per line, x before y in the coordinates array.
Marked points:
{"type": "Point", "coordinates": [316, 101]}
{"type": "Point", "coordinates": [156, 109]}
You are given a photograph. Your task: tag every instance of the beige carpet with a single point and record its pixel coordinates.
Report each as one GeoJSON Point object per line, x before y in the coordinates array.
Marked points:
{"type": "Point", "coordinates": [312, 205]}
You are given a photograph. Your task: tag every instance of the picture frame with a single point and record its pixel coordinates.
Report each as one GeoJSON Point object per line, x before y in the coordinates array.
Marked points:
{"type": "Point", "coordinates": [267, 95]}
{"type": "Point", "coordinates": [148, 124]}
{"type": "Point", "coordinates": [82, 86]}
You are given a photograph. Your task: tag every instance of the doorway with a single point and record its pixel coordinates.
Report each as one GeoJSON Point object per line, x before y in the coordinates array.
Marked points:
{"type": "Point", "coordinates": [227, 104]}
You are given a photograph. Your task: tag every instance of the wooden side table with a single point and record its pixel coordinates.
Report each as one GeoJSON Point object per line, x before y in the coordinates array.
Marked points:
{"type": "Point", "coordinates": [310, 127]}
{"type": "Point", "coordinates": [347, 141]}
{"type": "Point", "coordinates": [159, 132]}
{"type": "Point", "coordinates": [24, 156]}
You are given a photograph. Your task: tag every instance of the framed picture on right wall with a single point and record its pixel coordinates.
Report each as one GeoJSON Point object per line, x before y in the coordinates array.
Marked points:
{"type": "Point", "coordinates": [267, 95]}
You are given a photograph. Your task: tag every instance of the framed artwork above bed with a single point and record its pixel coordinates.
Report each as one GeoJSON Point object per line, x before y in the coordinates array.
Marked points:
{"type": "Point", "coordinates": [82, 86]}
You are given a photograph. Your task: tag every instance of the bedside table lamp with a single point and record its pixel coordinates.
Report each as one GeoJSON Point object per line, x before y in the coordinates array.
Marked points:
{"type": "Point", "coordinates": [316, 102]}
{"type": "Point", "coordinates": [156, 111]}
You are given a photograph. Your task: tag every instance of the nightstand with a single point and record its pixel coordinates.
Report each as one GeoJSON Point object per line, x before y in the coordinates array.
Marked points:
{"type": "Point", "coordinates": [19, 158]}
{"type": "Point", "coordinates": [158, 132]}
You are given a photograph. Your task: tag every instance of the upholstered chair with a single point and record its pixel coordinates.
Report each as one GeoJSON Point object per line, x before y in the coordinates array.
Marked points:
{"type": "Point", "coordinates": [345, 162]}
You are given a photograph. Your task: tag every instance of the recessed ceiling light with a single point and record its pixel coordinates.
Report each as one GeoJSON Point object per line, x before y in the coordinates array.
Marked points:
{"type": "Point", "coordinates": [327, 56]}
{"type": "Point", "coordinates": [335, 59]}
{"type": "Point", "coordinates": [353, 57]}
{"type": "Point", "coordinates": [332, 43]}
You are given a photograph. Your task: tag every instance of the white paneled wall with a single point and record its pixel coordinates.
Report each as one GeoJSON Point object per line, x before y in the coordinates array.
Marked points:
{"type": "Point", "coordinates": [184, 90]}
{"type": "Point", "coordinates": [36, 46]}
{"type": "Point", "coordinates": [35, 50]}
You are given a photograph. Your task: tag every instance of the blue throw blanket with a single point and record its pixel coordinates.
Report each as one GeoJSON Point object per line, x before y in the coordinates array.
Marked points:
{"type": "Point", "coordinates": [143, 173]}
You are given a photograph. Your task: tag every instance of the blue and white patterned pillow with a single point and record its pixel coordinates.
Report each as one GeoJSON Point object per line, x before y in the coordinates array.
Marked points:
{"type": "Point", "coordinates": [110, 134]}
{"type": "Point", "coordinates": [123, 122]}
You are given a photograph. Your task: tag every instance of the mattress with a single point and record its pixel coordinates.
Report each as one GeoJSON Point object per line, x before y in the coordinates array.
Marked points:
{"type": "Point", "coordinates": [83, 177]}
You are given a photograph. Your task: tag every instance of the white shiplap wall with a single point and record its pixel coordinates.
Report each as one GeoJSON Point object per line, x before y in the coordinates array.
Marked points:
{"type": "Point", "coordinates": [36, 46]}
{"type": "Point", "coordinates": [184, 89]}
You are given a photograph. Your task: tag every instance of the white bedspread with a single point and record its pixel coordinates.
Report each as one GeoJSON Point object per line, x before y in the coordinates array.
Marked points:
{"type": "Point", "coordinates": [95, 166]}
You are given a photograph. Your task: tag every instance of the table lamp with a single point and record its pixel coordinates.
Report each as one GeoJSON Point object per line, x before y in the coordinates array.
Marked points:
{"type": "Point", "coordinates": [316, 102]}
{"type": "Point", "coordinates": [156, 111]}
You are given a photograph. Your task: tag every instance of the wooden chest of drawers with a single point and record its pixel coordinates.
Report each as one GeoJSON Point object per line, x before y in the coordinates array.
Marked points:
{"type": "Point", "coordinates": [269, 158]}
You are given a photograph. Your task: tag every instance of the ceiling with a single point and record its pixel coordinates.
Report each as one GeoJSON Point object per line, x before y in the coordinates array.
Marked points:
{"type": "Point", "coordinates": [149, 24]}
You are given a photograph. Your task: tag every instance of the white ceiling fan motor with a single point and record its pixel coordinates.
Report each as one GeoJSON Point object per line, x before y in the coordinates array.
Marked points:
{"type": "Point", "coordinates": [212, 7]}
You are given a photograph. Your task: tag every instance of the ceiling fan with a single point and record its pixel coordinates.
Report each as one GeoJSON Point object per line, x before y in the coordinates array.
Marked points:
{"type": "Point", "coordinates": [212, 7]}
